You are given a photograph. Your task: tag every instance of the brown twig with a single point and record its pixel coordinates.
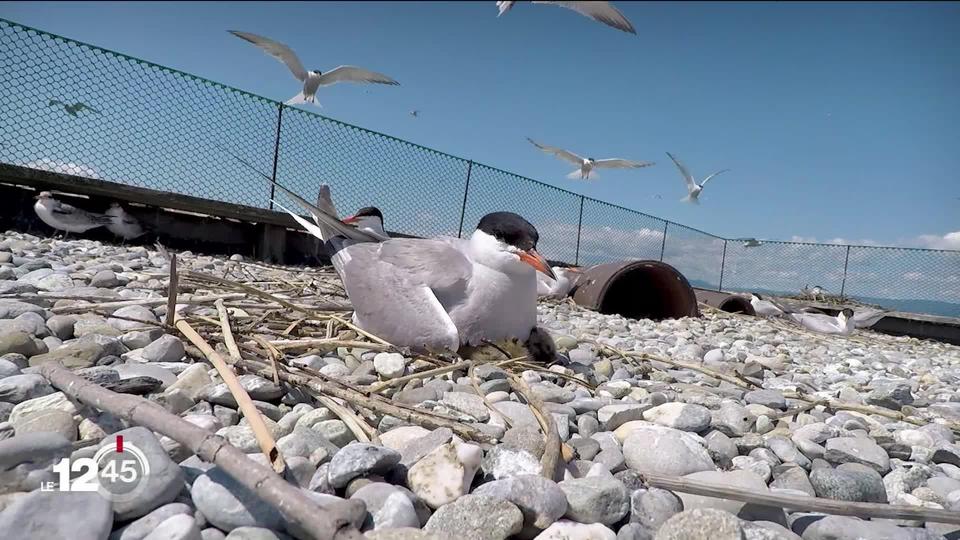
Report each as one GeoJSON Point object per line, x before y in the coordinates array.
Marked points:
{"type": "Point", "coordinates": [227, 333]}
{"type": "Point", "coordinates": [173, 289]}
{"type": "Point", "coordinates": [267, 445]}
{"type": "Point", "coordinates": [322, 523]}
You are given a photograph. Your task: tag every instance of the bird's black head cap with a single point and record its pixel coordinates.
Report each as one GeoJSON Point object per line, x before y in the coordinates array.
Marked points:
{"type": "Point", "coordinates": [511, 229]}
{"type": "Point", "coordinates": [369, 211]}
{"type": "Point", "coordinates": [848, 312]}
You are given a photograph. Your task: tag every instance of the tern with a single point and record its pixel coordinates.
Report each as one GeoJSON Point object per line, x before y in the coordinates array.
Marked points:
{"type": "Point", "coordinates": [868, 318]}
{"type": "Point", "coordinates": [123, 224]}
{"type": "Point", "coordinates": [750, 242]}
{"type": "Point", "coordinates": [693, 188]}
{"type": "Point", "coordinates": [766, 308]}
{"type": "Point", "coordinates": [586, 165]}
{"type": "Point", "coordinates": [440, 293]}
{"type": "Point", "coordinates": [314, 79]}
{"type": "Point", "coordinates": [368, 219]}
{"type": "Point", "coordinates": [72, 110]}
{"type": "Point", "coordinates": [64, 217]}
{"type": "Point", "coordinates": [603, 12]}
{"type": "Point", "coordinates": [560, 287]}
{"type": "Point", "coordinates": [414, 113]}
{"type": "Point", "coordinates": [842, 324]}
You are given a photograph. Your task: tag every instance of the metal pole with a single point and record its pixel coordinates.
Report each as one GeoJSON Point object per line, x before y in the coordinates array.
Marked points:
{"type": "Point", "coordinates": [466, 190]}
{"type": "Point", "coordinates": [576, 260]}
{"type": "Point", "coordinates": [723, 261]}
{"type": "Point", "coordinates": [843, 284]}
{"type": "Point", "coordinates": [663, 243]}
{"type": "Point", "coordinates": [276, 154]}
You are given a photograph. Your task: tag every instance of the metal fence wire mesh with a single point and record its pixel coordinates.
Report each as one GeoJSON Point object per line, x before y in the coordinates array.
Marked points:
{"type": "Point", "coordinates": [159, 128]}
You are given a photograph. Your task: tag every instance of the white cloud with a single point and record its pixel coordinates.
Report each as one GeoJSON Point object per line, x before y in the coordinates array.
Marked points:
{"type": "Point", "coordinates": [950, 240]}
{"type": "Point", "coordinates": [66, 167]}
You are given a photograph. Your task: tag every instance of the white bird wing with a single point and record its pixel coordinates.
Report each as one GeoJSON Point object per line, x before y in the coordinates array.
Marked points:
{"type": "Point", "coordinates": [616, 163]}
{"type": "Point", "coordinates": [323, 221]}
{"type": "Point", "coordinates": [504, 6]}
{"type": "Point", "coordinates": [824, 324]}
{"type": "Point", "coordinates": [559, 152]}
{"type": "Point", "coordinates": [687, 177]}
{"type": "Point", "coordinates": [707, 179]}
{"type": "Point", "coordinates": [72, 215]}
{"type": "Point", "coordinates": [868, 318]}
{"type": "Point", "coordinates": [354, 74]}
{"type": "Point", "coordinates": [603, 12]}
{"type": "Point", "coordinates": [277, 50]}
{"type": "Point", "coordinates": [394, 291]}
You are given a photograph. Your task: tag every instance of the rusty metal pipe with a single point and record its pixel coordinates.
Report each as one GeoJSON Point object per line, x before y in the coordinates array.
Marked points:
{"type": "Point", "coordinates": [731, 303]}
{"type": "Point", "coordinates": [636, 289]}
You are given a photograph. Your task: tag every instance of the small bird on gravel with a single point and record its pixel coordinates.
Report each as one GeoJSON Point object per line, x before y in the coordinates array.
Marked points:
{"type": "Point", "coordinates": [560, 287]}
{"type": "Point", "coordinates": [67, 218]}
{"type": "Point", "coordinates": [766, 308]}
{"type": "Point", "coordinates": [123, 224]}
{"type": "Point", "coordinates": [842, 324]}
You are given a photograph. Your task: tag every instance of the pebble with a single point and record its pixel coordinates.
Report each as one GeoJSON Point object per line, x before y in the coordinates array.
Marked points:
{"type": "Point", "coordinates": [849, 482]}
{"type": "Point", "coordinates": [140, 528]}
{"type": "Point", "coordinates": [53, 514]}
{"type": "Point", "coordinates": [857, 450]}
{"type": "Point", "coordinates": [701, 524]}
{"type": "Point", "coordinates": [571, 530]}
{"type": "Point", "coordinates": [19, 388]}
{"type": "Point", "coordinates": [166, 349]}
{"type": "Point", "coordinates": [388, 507]}
{"type": "Point", "coordinates": [445, 474]}
{"type": "Point", "coordinates": [476, 517]}
{"type": "Point", "coordinates": [502, 462]}
{"type": "Point", "coordinates": [596, 499]}
{"type": "Point", "coordinates": [664, 450]}
{"type": "Point", "coordinates": [682, 416]}
{"type": "Point", "coordinates": [177, 527]}
{"type": "Point", "coordinates": [227, 504]}
{"type": "Point", "coordinates": [157, 488]}
{"type": "Point", "coordinates": [360, 459]}
{"type": "Point", "coordinates": [389, 365]}
{"type": "Point", "coordinates": [541, 501]}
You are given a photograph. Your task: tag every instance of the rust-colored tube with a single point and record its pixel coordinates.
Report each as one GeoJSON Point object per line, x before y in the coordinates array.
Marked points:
{"type": "Point", "coordinates": [636, 289]}
{"type": "Point", "coordinates": [732, 303]}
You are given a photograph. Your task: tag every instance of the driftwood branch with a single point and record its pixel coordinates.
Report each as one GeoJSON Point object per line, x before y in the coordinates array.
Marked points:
{"type": "Point", "coordinates": [804, 504]}
{"type": "Point", "coordinates": [551, 449]}
{"type": "Point", "coordinates": [329, 523]}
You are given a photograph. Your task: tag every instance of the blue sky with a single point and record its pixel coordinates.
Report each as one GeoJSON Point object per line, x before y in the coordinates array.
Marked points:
{"type": "Point", "coordinates": [839, 120]}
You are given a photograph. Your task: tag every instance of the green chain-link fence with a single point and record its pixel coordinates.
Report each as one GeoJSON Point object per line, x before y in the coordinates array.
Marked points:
{"type": "Point", "coordinates": [160, 128]}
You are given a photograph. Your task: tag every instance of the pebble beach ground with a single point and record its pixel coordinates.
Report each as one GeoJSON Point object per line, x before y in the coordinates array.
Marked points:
{"type": "Point", "coordinates": [623, 398]}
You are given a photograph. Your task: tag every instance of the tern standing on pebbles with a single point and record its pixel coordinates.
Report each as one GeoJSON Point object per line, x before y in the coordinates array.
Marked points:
{"type": "Point", "coordinates": [64, 217]}
{"type": "Point", "coordinates": [586, 165]}
{"type": "Point", "coordinates": [312, 80]}
{"type": "Point", "coordinates": [765, 308]}
{"type": "Point", "coordinates": [123, 224]}
{"type": "Point", "coordinates": [560, 287]}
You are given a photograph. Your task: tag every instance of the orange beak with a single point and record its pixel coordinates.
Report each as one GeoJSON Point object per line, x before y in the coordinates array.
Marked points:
{"type": "Point", "coordinates": [575, 269]}
{"type": "Point", "coordinates": [351, 219]}
{"type": "Point", "coordinates": [537, 261]}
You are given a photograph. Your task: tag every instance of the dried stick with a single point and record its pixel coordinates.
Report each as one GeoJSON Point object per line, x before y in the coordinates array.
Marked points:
{"type": "Point", "coordinates": [263, 294]}
{"type": "Point", "coordinates": [267, 445]}
{"type": "Point", "coordinates": [803, 503]}
{"type": "Point", "coordinates": [374, 388]}
{"type": "Point", "coordinates": [326, 523]}
{"type": "Point", "coordinates": [227, 333]}
{"type": "Point", "coordinates": [476, 388]}
{"type": "Point", "coordinates": [188, 299]}
{"type": "Point", "coordinates": [272, 353]}
{"type": "Point", "coordinates": [284, 345]}
{"type": "Point", "coordinates": [551, 449]}
{"type": "Point", "coordinates": [173, 289]}
{"type": "Point", "coordinates": [361, 430]}
{"type": "Point", "coordinates": [430, 421]}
